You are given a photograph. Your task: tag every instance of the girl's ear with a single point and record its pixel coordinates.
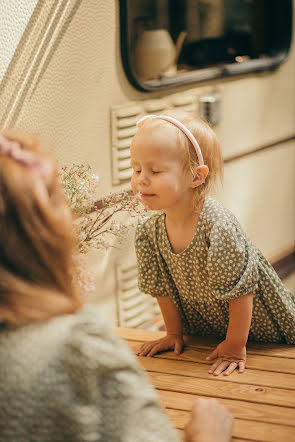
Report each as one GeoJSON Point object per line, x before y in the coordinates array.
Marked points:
{"type": "Point", "coordinates": [200, 176]}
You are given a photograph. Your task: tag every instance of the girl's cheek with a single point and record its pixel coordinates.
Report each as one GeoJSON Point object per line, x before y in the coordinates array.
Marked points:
{"type": "Point", "coordinates": [133, 184]}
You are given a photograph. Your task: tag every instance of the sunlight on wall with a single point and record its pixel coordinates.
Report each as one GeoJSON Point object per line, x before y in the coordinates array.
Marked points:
{"type": "Point", "coordinates": [14, 14]}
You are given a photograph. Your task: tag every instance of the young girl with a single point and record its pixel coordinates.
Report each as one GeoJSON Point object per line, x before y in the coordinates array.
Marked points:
{"type": "Point", "coordinates": [209, 279]}
{"type": "Point", "coordinates": [63, 375]}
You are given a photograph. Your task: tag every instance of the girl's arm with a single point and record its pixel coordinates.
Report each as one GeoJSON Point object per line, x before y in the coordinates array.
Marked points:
{"type": "Point", "coordinates": [173, 323]}
{"type": "Point", "coordinates": [240, 315]}
{"type": "Point", "coordinates": [171, 315]}
{"type": "Point", "coordinates": [231, 353]}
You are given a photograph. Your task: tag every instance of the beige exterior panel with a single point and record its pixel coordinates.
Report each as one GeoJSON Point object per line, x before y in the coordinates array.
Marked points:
{"type": "Point", "coordinates": [260, 191]}
{"type": "Point", "coordinates": [61, 77]}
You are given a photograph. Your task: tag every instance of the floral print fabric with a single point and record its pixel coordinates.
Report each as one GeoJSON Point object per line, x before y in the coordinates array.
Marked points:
{"type": "Point", "coordinates": [218, 265]}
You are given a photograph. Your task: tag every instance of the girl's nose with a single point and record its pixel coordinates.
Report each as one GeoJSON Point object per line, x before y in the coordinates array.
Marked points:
{"type": "Point", "coordinates": [143, 179]}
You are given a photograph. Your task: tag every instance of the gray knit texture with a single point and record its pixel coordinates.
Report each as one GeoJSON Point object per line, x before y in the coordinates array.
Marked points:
{"type": "Point", "coordinates": [71, 379]}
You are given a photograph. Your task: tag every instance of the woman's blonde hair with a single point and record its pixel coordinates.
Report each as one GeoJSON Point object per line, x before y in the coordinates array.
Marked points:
{"type": "Point", "coordinates": [36, 241]}
{"type": "Point", "coordinates": [208, 143]}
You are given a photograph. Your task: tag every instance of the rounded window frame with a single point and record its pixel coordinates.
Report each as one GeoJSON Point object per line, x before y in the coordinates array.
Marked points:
{"type": "Point", "coordinates": [269, 63]}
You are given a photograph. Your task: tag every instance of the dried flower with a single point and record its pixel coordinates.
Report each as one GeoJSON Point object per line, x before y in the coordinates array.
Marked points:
{"type": "Point", "coordinates": [95, 223]}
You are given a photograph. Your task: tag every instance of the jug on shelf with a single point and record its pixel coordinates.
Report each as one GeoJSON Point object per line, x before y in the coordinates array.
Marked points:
{"type": "Point", "coordinates": [156, 54]}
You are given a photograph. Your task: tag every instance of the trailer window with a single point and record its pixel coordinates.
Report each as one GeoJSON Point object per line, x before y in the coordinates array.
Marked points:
{"type": "Point", "coordinates": [165, 43]}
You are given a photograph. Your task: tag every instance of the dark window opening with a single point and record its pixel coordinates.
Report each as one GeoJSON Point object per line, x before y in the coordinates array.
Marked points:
{"type": "Point", "coordinates": [165, 43]}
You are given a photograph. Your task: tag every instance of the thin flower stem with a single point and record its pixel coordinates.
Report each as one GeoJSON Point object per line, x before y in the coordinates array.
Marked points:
{"type": "Point", "coordinates": [93, 220]}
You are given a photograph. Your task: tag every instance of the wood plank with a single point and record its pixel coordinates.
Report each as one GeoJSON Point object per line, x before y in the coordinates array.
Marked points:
{"type": "Point", "coordinates": [267, 349]}
{"type": "Point", "coordinates": [239, 409]}
{"type": "Point", "coordinates": [262, 399]}
{"type": "Point", "coordinates": [264, 432]}
{"type": "Point", "coordinates": [233, 439]}
{"type": "Point", "coordinates": [226, 390]}
{"type": "Point", "coordinates": [267, 379]}
{"type": "Point", "coordinates": [253, 348]}
{"type": "Point", "coordinates": [265, 363]}
{"type": "Point", "coordinates": [138, 334]}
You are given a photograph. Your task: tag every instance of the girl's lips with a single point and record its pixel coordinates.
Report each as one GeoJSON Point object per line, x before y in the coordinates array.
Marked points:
{"type": "Point", "coordinates": [147, 195]}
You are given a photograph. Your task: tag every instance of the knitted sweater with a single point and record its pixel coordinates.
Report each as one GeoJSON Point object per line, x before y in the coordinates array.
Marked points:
{"type": "Point", "coordinates": [71, 379]}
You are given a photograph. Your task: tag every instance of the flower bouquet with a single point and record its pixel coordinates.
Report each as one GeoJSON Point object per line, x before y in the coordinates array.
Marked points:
{"type": "Point", "coordinates": [96, 223]}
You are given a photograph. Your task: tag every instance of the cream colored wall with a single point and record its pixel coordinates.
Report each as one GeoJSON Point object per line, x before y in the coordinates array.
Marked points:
{"type": "Point", "coordinates": [260, 190]}
{"type": "Point", "coordinates": [65, 74]}
{"type": "Point", "coordinates": [71, 90]}
{"type": "Point", "coordinates": [68, 97]}
{"type": "Point", "coordinates": [16, 18]}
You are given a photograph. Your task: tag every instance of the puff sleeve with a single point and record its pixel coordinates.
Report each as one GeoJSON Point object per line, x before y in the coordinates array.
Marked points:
{"type": "Point", "coordinates": [232, 262]}
{"type": "Point", "coordinates": [153, 275]}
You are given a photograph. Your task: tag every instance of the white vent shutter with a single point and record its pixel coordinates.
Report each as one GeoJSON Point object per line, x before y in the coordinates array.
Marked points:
{"type": "Point", "coordinates": [123, 129]}
{"type": "Point", "coordinates": [124, 118]}
{"type": "Point", "coordinates": [135, 309]}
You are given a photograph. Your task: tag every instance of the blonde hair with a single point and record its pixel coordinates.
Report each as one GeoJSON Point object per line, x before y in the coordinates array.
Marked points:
{"type": "Point", "coordinates": [36, 242]}
{"type": "Point", "coordinates": [208, 143]}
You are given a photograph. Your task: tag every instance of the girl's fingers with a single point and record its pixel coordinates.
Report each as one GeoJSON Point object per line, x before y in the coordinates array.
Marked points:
{"type": "Point", "coordinates": [178, 348]}
{"type": "Point", "coordinates": [153, 347]}
{"type": "Point", "coordinates": [241, 365]}
{"type": "Point", "coordinates": [221, 367]}
{"type": "Point", "coordinates": [232, 366]}
{"type": "Point", "coordinates": [145, 348]}
{"type": "Point", "coordinates": [141, 351]}
{"type": "Point", "coordinates": [214, 366]}
{"type": "Point", "coordinates": [154, 350]}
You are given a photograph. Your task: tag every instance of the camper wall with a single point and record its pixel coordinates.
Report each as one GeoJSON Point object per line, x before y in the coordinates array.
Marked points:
{"type": "Point", "coordinates": [61, 77]}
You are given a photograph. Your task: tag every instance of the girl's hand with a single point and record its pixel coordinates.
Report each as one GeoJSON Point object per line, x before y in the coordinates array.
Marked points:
{"type": "Point", "coordinates": [170, 342]}
{"type": "Point", "coordinates": [210, 422]}
{"type": "Point", "coordinates": [229, 358]}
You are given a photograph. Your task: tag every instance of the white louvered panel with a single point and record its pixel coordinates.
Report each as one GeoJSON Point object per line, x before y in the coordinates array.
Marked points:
{"type": "Point", "coordinates": [124, 144]}
{"type": "Point", "coordinates": [123, 154]}
{"type": "Point", "coordinates": [130, 273]}
{"type": "Point", "coordinates": [135, 309]}
{"type": "Point", "coordinates": [132, 310]}
{"type": "Point", "coordinates": [156, 106]}
{"type": "Point", "coordinates": [142, 308]}
{"type": "Point", "coordinates": [125, 175]}
{"type": "Point", "coordinates": [139, 321]}
{"type": "Point", "coordinates": [127, 122]}
{"type": "Point", "coordinates": [188, 108]}
{"type": "Point", "coordinates": [131, 293]}
{"type": "Point", "coordinates": [132, 304]}
{"type": "Point", "coordinates": [123, 129]}
{"type": "Point", "coordinates": [127, 132]}
{"type": "Point", "coordinates": [124, 120]}
{"type": "Point", "coordinates": [131, 283]}
{"type": "Point", "coordinates": [182, 100]}
{"type": "Point", "coordinates": [124, 163]}
{"type": "Point", "coordinates": [128, 110]}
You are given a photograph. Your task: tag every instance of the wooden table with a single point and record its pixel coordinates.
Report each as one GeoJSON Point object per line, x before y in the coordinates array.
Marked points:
{"type": "Point", "coordinates": [262, 399]}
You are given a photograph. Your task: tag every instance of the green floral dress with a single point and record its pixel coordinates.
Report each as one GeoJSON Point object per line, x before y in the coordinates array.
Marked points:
{"type": "Point", "coordinates": [218, 265]}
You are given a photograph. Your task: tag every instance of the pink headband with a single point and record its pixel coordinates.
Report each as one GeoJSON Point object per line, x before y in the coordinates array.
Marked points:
{"type": "Point", "coordinates": [180, 126]}
{"type": "Point", "coordinates": [13, 149]}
